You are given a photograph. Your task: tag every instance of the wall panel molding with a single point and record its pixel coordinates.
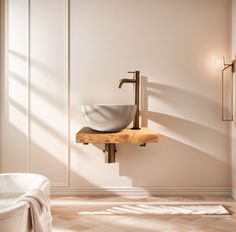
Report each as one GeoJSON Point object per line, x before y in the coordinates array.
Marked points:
{"type": "Point", "coordinates": [2, 66]}
{"type": "Point", "coordinates": [13, 94]}
{"type": "Point", "coordinates": [62, 22]}
{"type": "Point", "coordinates": [67, 84]}
{"type": "Point", "coordinates": [28, 89]}
{"type": "Point", "coordinates": [49, 63]}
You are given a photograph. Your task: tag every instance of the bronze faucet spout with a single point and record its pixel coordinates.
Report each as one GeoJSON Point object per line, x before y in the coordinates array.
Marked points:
{"type": "Point", "coordinates": [122, 81]}
{"type": "Point", "coordinates": [136, 82]}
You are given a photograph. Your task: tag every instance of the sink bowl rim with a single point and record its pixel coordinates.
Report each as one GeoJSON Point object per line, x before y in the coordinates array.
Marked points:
{"type": "Point", "coordinates": [108, 117]}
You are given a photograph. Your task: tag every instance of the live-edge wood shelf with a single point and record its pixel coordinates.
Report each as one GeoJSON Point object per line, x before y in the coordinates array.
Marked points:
{"type": "Point", "coordinates": [144, 135]}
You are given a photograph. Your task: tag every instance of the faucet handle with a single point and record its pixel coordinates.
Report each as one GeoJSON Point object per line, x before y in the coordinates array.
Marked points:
{"type": "Point", "coordinates": [133, 72]}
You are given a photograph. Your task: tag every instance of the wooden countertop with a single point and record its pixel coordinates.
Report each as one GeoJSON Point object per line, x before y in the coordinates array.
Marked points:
{"type": "Point", "coordinates": [144, 135]}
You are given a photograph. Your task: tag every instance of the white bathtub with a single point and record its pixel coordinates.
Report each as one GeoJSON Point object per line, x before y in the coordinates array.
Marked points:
{"type": "Point", "coordinates": [14, 216]}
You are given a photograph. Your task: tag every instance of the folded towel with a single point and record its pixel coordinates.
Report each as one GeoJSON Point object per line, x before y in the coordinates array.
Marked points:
{"type": "Point", "coordinates": [39, 210]}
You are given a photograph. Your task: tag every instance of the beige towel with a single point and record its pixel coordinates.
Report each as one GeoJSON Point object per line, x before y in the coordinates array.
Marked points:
{"type": "Point", "coordinates": [39, 210]}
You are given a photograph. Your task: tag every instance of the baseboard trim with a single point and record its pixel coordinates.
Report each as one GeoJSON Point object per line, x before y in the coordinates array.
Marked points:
{"type": "Point", "coordinates": [145, 191]}
{"type": "Point", "coordinates": [234, 193]}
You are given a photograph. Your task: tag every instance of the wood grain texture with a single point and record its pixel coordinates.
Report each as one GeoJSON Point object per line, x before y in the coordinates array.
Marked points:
{"type": "Point", "coordinates": [144, 135]}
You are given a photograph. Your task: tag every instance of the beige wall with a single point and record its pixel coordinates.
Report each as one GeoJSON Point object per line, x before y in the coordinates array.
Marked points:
{"type": "Point", "coordinates": [173, 43]}
{"type": "Point", "coordinates": [234, 123]}
{"type": "Point", "coordinates": [1, 61]}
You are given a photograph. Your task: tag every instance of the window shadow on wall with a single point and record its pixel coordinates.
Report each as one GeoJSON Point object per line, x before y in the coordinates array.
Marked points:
{"type": "Point", "coordinates": [42, 155]}
{"type": "Point", "coordinates": [193, 143]}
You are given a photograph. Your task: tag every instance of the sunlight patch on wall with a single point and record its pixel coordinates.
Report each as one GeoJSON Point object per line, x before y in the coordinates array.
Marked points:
{"type": "Point", "coordinates": [47, 141]}
{"type": "Point", "coordinates": [17, 118]}
{"type": "Point", "coordinates": [47, 113]}
{"type": "Point", "coordinates": [16, 92]}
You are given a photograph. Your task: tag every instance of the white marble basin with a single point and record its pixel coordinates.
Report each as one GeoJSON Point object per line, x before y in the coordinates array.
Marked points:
{"type": "Point", "coordinates": [108, 118]}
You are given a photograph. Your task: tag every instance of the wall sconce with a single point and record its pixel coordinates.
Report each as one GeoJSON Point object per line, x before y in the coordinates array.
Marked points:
{"type": "Point", "coordinates": [223, 66]}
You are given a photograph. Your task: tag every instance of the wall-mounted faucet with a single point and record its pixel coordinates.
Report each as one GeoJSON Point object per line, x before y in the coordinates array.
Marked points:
{"type": "Point", "coordinates": [136, 82]}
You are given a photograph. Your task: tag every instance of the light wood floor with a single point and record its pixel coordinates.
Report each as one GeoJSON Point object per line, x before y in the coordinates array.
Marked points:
{"type": "Point", "coordinates": [71, 214]}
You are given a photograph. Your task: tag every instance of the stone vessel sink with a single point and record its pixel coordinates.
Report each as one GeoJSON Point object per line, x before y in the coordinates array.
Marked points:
{"type": "Point", "coordinates": [108, 118]}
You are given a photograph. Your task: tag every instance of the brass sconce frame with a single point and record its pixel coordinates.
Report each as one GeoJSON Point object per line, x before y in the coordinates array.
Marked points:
{"type": "Point", "coordinates": [226, 66]}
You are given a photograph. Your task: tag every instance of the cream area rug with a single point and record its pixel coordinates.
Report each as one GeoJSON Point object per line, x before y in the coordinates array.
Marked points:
{"type": "Point", "coordinates": [158, 209]}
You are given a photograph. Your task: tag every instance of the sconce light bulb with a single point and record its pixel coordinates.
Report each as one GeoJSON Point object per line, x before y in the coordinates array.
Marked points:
{"type": "Point", "coordinates": [220, 63]}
